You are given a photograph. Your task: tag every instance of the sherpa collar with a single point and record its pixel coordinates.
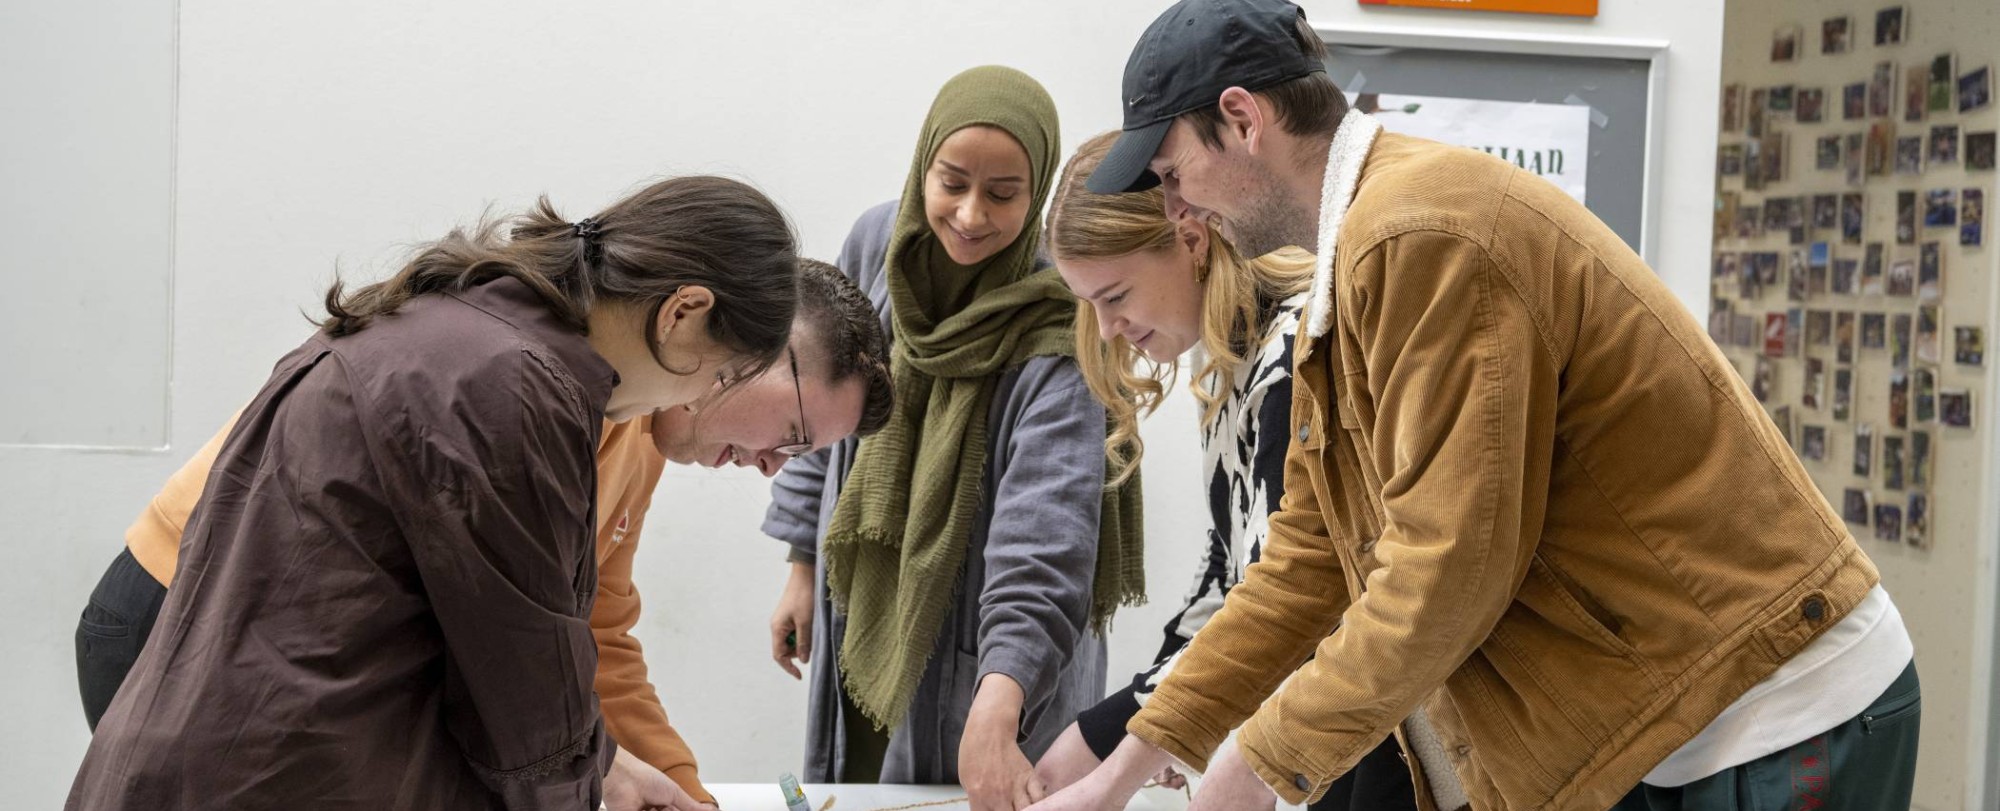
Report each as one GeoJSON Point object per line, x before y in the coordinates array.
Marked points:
{"type": "Point", "coordinates": [1351, 144]}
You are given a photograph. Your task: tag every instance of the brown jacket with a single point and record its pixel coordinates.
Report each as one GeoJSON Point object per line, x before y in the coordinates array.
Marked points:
{"type": "Point", "coordinates": [628, 468]}
{"type": "Point", "coordinates": [1526, 495]}
{"type": "Point", "coordinates": [382, 597]}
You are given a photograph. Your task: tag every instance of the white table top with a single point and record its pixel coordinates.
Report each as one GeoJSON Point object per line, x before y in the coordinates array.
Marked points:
{"type": "Point", "coordinates": [854, 797]}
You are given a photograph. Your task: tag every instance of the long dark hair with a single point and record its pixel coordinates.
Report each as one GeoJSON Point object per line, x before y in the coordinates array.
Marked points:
{"type": "Point", "coordinates": [696, 230]}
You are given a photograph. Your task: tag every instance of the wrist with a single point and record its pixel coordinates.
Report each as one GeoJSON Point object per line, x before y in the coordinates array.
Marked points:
{"type": "Point", "coordinates": [1134, 762]}
{"type": "Point", "coordinates": [997, 704]}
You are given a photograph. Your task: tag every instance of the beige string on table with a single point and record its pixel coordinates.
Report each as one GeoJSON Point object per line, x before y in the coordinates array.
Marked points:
{"type": "Point", "coordinates": [828, 805]}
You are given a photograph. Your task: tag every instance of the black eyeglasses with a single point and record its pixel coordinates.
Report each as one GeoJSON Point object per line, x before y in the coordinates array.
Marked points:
{"type": "Point", "coordinates": [802, 443]}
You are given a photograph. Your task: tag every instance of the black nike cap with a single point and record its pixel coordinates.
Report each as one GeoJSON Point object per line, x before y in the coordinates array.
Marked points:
{"type": "Point", "coordinates": [1186, 58]}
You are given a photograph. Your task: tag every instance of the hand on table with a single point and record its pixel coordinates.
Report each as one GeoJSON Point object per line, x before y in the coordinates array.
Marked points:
{"type": "Point", "coordinates": [1070, 758]}
{"type": "Point", "coordinates": [1231, 785]}
{"type": "Point", "coordinates": [1111, 785]}
{"type": "Point", "coordinates": [792, 623]}
{"type": "Point", "coordinates": [634, 785]}
{"type": "Point", "coordinates": [1094, 792]}
{"type": "Point", "coordinates": [991, 767]}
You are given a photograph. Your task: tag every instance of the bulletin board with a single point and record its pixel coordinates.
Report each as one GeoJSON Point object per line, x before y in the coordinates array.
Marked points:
{"type": "Point", "coordinates": [1614, 80]}
{"type": "Point", "coordinates": [1853, 288]}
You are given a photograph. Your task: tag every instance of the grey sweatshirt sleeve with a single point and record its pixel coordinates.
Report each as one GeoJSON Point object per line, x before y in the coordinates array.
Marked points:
{"type": "Point", "coordinates": [1041, 546]}
{"type": "Point", "coordinates": [793, 516]}
{"type": "Point", "coordinates": [799, 489]}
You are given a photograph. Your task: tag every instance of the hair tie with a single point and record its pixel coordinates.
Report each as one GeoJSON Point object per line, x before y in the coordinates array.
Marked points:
{"type": "Point", "coordinates": [588, 230]}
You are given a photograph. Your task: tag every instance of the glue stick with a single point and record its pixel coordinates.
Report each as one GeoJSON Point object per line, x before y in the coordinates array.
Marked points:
{"type": "Point", "coordinates": [795, 797]}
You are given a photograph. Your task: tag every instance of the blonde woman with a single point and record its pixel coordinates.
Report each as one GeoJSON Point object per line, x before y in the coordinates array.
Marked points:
{"type": "Point", "coordinates": [1150, 290]}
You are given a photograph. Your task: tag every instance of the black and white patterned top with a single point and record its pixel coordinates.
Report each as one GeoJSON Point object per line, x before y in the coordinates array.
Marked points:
{"type": "Point", "coordinates": [1243, 460]}
{"type": "Point", "coordinates": [1243, 457]}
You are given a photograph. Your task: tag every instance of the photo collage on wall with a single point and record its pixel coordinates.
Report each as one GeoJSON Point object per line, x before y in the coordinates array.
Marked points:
{"type": "Point", "coordinates": [1837, 315]}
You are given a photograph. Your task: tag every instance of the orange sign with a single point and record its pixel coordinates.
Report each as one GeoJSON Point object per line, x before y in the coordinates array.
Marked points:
{"type": "Point", "coordinates": [1578, 8]}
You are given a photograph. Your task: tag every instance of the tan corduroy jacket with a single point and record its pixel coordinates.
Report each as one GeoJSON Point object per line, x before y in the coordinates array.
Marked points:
{"type": "Point", "coordinates": [628, 469]}
{"type": "Point", "coordinates": [1526, 495]}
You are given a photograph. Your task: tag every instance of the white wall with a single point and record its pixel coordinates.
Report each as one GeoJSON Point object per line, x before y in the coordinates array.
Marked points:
{"type": "Point", "coordinates": [322, 135]}
{"type": "Point", "coordinates": [87, 151]}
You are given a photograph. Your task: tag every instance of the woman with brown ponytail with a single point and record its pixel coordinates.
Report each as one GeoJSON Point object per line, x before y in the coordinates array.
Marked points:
{"type": "Point", "coordinates": [382, 597]}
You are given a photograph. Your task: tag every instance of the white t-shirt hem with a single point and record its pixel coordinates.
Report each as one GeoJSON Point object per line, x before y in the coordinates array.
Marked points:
{"type": "Point", "coordinates": [1829, 682]}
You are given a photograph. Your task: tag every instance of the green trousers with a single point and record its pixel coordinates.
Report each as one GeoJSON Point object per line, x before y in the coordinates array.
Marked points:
{"type": "Point", "coordinates": [1866, 764]}
{"type": "Point", "coordinates": [866, 747]}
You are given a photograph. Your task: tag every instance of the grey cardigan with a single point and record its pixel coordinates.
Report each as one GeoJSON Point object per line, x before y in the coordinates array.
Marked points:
{"type": "Point", "coordinates": [1024, 590]}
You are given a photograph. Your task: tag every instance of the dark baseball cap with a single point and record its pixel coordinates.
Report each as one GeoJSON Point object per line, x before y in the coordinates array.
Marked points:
{"type": "Point", "coordinates": [1184, 61]}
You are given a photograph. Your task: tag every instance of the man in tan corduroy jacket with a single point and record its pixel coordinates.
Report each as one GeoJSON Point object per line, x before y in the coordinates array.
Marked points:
{"type": "Point", "coordinates": [1528, 505]}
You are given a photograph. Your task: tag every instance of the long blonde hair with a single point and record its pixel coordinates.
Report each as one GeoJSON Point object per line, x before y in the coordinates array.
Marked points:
{"type": "Point", "coordinates": [1237, 295]}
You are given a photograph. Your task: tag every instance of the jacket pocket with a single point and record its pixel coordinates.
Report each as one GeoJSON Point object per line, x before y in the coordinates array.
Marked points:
{"type": "Point", "coordinates": [1557, 656]}
{"type": "Point", "coordinates": [1892, 711]}
{"type": "Point", "coordinates": [1485, 747]}
{"type": "Point", "coordinates": [1796, 623]}
{"type": "Point", "coordinates": [957, 683]}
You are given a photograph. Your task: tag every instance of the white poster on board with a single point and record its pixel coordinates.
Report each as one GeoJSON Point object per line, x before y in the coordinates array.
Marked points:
{"type": "Point", "coordinates": [1550, 140]}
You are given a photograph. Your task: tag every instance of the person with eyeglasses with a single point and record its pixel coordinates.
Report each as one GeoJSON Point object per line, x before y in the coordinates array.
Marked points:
{"type": "Point", "coordinates": [765, 438]}
{"type": "Point", "coordinates": [834, 383]}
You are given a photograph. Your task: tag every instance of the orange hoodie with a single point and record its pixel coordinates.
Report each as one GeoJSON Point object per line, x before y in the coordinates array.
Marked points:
{"type": "Point", "coordinates": [628, 467]}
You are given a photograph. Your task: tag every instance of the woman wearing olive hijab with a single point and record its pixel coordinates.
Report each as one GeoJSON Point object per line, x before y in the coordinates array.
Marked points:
{"type": "Point", "coordinates": [959, 565]}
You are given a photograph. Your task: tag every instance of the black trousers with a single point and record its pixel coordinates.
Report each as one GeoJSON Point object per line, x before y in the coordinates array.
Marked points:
{"type": "Point", "coordinates": [1379, 780]}
{"type": "Point", "coordinates": [112, 631]}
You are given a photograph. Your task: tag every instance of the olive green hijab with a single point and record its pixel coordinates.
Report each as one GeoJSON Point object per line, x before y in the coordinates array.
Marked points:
{"type": "Point", "coordinates": [897, 540]}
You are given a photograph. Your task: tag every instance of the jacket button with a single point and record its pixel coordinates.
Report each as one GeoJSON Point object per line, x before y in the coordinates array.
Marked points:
{"type": "Point", "coordinates": [1814, 609]}
{"type": "Point", "coordinates": [1304, 431]}
{"type": "Point", "coordinates": [1464, 751]}
{"type": "Point", "coordinates": [1303, 784]}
